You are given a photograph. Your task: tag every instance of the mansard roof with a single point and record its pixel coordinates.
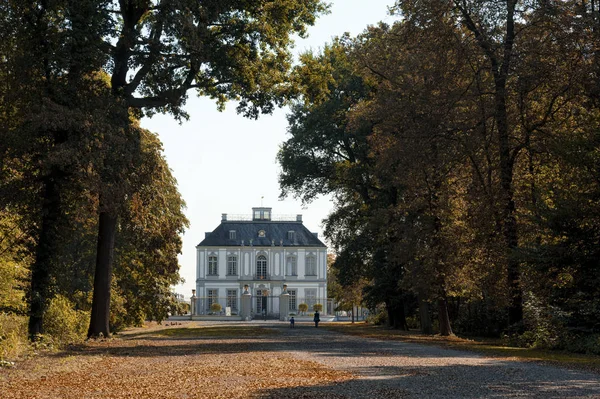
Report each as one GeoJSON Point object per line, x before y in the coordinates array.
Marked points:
{"type": "Point", "coordinates": [275, 233]}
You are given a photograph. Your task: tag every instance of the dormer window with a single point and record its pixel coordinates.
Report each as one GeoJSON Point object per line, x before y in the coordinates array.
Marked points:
{"type": "Point", "coordinates": [261, 233]}
{"type": "Point", "coordinates": [232, 234]}
{"type": "Point", "coordinates": [261, 214]}
{"type": "Point", "coordinates": [291, 235]}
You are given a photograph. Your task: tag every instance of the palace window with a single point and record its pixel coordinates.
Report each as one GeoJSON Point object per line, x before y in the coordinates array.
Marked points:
{"type": "Point", "coordinates": [311, 266]}
{"type": "Point", "coordinates": [292, 299]}
{"type": "Point", "coordinates": [232, 234]}
{"type": "Point", "coordinates": [292, 266]}
{"type": "Point", "coordinates": [232, 299]}
{"type": "Point", "coordinates": [291, 235]}
{"type": "Point", "coordinates": [212, 265]}
{"type": "Point", "coordinates": [232, 265]}
{"type": "Point", "coordinates": [211, 297]}
{"type": "Point", "coordinates": [261, 213]}
{"type": "Point", "coordinates": [261, 267]}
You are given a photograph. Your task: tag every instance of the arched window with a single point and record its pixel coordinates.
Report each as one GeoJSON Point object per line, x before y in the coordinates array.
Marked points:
{"type": "Point", "coordinates": [261, 267]}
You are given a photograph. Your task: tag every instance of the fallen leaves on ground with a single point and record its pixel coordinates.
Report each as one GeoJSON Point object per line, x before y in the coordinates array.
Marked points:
{"type": "Point", "coordinates": [486, 346]}
{"type": "Point", "coordinates": [174, 365]}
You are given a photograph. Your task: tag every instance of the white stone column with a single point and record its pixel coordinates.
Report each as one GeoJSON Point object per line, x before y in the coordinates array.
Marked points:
{"type": "Point", "coordinates": [193, 303]}
{"type": "Point", "coordinates": [246, 311]}
{"type": "Point", "coordinates": [284, 305]}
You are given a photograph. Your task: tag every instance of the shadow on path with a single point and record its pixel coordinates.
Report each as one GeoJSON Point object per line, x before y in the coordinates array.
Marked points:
{"type": "Point", "coordinates": [384, 369]}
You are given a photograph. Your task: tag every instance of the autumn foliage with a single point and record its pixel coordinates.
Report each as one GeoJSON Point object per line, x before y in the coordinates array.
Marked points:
{"type": "Point", "coordinates": [461, 147]}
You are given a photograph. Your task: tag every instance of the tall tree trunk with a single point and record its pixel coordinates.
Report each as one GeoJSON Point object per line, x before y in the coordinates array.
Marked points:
{"type": "Point", "coordinates": [390, 312]}
{"type": "Point", "coordinates": [396, 314]}
{"type": "Point", "coordinates": [41, 291]}
{"type": "Point", "coordinates": [445, 328]}
{"type": "Point", "coordinates": [515, 310]}
{"type": "Point", "coordinates": [425, 320]}
{"type": "Point", "coordinates": [500, 66]}
{"type": "Point", "coordinates": [401, 318]}
{"type": "Point", "coordinates": [99, 322]}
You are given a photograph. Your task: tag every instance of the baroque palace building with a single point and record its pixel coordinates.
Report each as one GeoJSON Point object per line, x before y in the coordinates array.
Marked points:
{"type": "Point", "coordinates": [260, 255]}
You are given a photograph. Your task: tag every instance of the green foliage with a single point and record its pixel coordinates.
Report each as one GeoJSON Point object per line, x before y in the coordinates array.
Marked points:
{"type": "Point", "coordinates": [379, 317]}
{"type": "Point", "coordinates": [14, 263]}
{"type": "Point", "coordinates": [216, 307]}
{"type": "Point", "coordinates": [464, 169]}
{"type": "Point", "coordinates": [64, 324]}
{"type": "Point", "coordinates": [183, 308]}
{"type": "Point", "coordinates": [71, 136]}
{"type": "Point", "coordinates": [582, 343]}
{"type": "Point", "coordinates": [302, 307]}
{"type": "Point", "coordinates": [13, 336]}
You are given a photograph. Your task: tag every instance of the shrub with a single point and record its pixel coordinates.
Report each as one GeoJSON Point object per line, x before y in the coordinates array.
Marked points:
{"type": "Point", "coordinates": [215, 307]}
{"type": "Point", "coordinates": [413, 323]}
{"type": "Point", "coordinates": [302, 307]}
{"type": "Point", "coordinates": [65, 324]}
{"type": "Point", "coordinates": [317, 307]}
{"type": "Point", "coordinates": [379, 317]}
{"type": "Point", "coordinates": [589, 344]}
{"type": "Point", "coordinates": [13, 336]}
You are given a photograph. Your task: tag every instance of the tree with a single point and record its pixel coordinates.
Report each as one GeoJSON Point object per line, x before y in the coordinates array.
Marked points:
{"type": "Point", "coordinates": [328, 152]}
{"type": "Point", "coordinates": [149, 237]}
{"type": "Point", "coordinates": [345, 297]}
{"type": "Point", "coordinates": [54, 96]}
{"type": "Point", "coordinates": [226, 51]}
{"type": "Point", "coordinates": [155, 51]}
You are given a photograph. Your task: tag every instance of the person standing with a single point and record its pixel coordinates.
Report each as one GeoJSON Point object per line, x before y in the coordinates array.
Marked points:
{"type": "Point", "coordinates": [316, 319]}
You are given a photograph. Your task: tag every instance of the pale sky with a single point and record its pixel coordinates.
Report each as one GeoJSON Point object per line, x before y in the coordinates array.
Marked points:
{"type": "Point", "coordinates": [225, 163]}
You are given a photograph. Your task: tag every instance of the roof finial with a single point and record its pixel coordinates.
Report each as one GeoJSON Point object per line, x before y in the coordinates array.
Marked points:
{"type": "Point", "coordinates": [261, 200]}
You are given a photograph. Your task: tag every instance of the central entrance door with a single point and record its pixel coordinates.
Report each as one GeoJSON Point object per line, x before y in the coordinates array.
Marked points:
{"type": "Point", "coordinates": [261, 301]}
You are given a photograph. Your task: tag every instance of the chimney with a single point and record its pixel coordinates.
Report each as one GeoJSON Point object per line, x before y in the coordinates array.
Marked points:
{"type": "Point", "coordinates": [223, 217]}
{"type": "Point", "coordinates": [299, 218]}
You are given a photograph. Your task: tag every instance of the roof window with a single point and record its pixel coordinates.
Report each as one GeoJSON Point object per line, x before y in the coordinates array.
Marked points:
{"type": "Point", "coordinates": [261, 213]}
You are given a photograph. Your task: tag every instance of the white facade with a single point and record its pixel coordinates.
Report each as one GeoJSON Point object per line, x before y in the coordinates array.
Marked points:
{"type": "Point", "coordinates": [292, 256]}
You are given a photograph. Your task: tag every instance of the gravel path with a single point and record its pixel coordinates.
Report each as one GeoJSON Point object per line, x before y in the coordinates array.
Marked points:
{"type": "Point", "coordinates": [197, 360]}
{"type": "Point", "coordinates": [406, 370]}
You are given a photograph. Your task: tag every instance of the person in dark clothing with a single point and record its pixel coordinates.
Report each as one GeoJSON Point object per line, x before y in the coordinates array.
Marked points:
{"type": "Point", "coordinates": [292, 322]}
{"type": "Point", "coordinates": [316, 319]}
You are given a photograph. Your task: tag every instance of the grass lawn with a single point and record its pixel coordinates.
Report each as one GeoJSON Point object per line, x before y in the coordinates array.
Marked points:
{"type": "Point", "coordinates": [485, 346]}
